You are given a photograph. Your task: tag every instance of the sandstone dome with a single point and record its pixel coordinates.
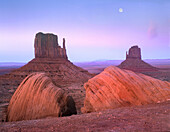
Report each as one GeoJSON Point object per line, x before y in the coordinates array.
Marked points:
{"type": "Point", "coordinates": [37, 97]}
{"type": "Point", "coordinates": [116, 88]}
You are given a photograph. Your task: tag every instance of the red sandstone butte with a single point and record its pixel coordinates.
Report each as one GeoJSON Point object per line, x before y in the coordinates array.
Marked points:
{"type": "Point", "coordinates": [134, 62]}
{"type": "Point", "coordinates": [46, 46]}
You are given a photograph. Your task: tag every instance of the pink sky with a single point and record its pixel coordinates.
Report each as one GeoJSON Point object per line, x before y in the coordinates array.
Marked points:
{"type": "Point", "coordinates": [93, 30]}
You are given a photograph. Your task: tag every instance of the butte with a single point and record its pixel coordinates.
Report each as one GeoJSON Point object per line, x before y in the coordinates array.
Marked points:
{"type": "Point", "coordinates": [51, 59]}
{"type": "Point", "coordinates": [134, 62]}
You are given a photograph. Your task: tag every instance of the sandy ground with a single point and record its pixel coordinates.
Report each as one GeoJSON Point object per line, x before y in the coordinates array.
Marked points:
{"type": "Point", "coordinates": [147, 118]}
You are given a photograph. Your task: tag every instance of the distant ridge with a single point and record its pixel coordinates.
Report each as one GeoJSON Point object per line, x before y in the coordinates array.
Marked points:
{"type": "Point", "coordinates": [10, 64]}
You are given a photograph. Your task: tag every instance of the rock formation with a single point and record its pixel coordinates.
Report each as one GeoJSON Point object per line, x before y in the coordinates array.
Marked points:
{"type": "Point", "coordinates": [134, 53]}
{"type": "Point", "coordinates": [134, 63]}
{"type": "Point", "coordinates": [46, 46]}
{"type": "Point", "coordinates": [37, 97]}
{"type": "Point", "coordinates": [51, 59]}
{"type": "Point", "coordinates": [116, 88]}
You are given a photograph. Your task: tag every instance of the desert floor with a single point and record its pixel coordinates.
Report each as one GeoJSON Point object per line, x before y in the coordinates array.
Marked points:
{"type": "Point", "coordinates": [153, 117]}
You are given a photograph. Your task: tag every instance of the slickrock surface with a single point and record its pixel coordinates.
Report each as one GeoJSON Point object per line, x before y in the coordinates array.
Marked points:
{"type": "Point", "coordinates": [37, 97]}
{"type": "Point", "coordinates": [134, 63]}
{"type": "Point", "coordinates": [116, 88]}
{"type": "Point", "coordinates": [146, 118]}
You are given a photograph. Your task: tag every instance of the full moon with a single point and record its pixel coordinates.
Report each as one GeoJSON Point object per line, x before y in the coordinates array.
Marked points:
{"type": "Point", "coordinates": [120, 9]}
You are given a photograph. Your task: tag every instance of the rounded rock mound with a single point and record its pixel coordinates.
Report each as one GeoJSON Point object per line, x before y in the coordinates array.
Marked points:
{"type": "Point", "coordinates": [116, 88]}
{"type": "Point", "coordinates": [37, 97]}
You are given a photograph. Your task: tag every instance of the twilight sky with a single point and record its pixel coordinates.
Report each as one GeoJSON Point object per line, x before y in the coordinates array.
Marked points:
{"type": "Point", "coordinates": [94, 29]}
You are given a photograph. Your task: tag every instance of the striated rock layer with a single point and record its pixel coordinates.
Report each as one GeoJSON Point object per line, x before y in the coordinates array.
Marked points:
{"type": "Point", "coordinates": [116, 88]}
{"type": "Point", "coordinates": [58, 69]}
{"type": "Point", "coordinates": [37, 97]}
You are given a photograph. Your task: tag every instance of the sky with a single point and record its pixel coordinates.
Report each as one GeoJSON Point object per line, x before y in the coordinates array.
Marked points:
{"type": "Point", "coordinates": [93, 29]}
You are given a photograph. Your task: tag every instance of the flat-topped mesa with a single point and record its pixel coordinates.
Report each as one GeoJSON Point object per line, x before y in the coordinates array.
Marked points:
{"type": "Point", "coordinates": [134, 53]}
{"type": "Point", "coordinates": [46, 46]}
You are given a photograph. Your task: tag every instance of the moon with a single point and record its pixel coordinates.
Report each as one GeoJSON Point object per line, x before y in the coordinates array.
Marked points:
{"type": "Point", "coordinates": [120, 10]}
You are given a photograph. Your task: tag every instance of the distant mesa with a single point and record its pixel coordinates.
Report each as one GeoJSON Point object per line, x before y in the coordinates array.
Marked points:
{"type": "Point", "coordinates": [134, 62]}
{"type": "Point", "coordinates": [115, 87]}
{"type": "Point", "coordinates": [46, 46]}
{"type": "Point", "coordinates": [37, 97]}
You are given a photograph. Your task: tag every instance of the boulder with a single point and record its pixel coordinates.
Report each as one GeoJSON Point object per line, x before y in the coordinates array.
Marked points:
{"type": "Point", "coordinates": [117, 88]}
{"type": "Point", "coordinates": [37, 97]}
